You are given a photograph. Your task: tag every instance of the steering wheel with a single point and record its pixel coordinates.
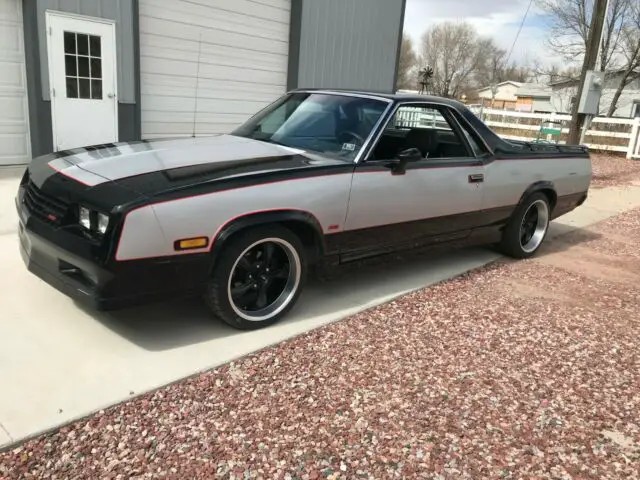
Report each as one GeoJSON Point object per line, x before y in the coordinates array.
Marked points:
{"type": "Point", "coordinates": [351, 135]}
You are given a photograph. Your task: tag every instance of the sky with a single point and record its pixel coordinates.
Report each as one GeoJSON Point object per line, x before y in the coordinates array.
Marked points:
{"type": "Point", "coordinates": [499, 19]}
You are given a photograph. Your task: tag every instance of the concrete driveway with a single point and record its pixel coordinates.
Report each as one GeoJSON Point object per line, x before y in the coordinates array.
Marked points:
{"type": "Point", "coordinates": [59, 361]}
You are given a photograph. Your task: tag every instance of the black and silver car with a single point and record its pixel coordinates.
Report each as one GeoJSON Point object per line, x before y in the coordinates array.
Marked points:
{"type": "Point", "coordinates": [318, 176]}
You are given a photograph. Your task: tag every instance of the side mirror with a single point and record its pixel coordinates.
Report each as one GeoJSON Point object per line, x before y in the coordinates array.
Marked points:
{"type": "Point", "coordinates": [404, 157]}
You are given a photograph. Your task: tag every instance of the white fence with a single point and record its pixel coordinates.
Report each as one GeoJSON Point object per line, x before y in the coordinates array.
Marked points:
{"type": "Point", "coordinates": [414, 117]}
{"type": "Point", "coordinates": [604, 134]}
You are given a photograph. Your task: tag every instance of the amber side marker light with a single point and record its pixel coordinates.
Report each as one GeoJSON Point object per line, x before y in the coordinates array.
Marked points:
{"type": "Point", "coordinates": [191, 243]}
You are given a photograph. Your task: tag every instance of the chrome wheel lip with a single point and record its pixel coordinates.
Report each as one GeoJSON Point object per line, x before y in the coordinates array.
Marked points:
{"type": "Point", "coordinates": [290, 289]}
{"type": "Point", "coordinates": [540, 231]}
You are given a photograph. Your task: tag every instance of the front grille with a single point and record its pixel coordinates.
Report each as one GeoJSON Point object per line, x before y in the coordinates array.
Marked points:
{"type": "Point", "coordinates": [45, 206]}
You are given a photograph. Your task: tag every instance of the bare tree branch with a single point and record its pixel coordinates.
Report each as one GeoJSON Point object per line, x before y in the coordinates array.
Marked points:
{"type": "Point", "coordinates": [463, 61]}
{"type": "Point", "coordinates": [631, 52]}
{"type": "Point", "coordinates": [570, 23]}
{"type": "Point", "coordinates": [407, 64]}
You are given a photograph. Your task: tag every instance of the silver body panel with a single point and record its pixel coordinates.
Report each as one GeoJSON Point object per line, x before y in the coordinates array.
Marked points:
{"type": "Point", "coordinates": [379, 198]}
{"type": "Point", "coordinates": [347, 202]}
{"type": "Point", "coordinates": [506, 180]}
{"type": "Point", "coordinates": [326, 198]}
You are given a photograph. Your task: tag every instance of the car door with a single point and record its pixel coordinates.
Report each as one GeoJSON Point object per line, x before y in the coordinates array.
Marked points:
{"type": "Point", "coordinates": [438, 197]}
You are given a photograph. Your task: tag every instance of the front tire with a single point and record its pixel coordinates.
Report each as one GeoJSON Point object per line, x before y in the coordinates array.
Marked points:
{"type": "Point", "coordinates": [258, 278]}
{"type": "Point", "coordinates": [528, 227]}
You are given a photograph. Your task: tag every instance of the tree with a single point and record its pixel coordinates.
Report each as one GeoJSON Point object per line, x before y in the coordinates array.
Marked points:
{"type": "Point", "coordinates": [456, 53]}
{"type": "Point", "coordinates": [631, 52]}
{"type": "Point", "coordinates": [569, 28]}
{"type": "Point", "coordinates": [407, 64]}
{"type": "Point", "coordinates": [620, 47]}
{"type": "Point", "coordinates": [496, 70]}
{"type": "Point", "coordinates": [547, 74]}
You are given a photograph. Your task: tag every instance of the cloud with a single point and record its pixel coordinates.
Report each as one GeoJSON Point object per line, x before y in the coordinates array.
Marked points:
{"type": "Point", "coordinates": [498, 19]}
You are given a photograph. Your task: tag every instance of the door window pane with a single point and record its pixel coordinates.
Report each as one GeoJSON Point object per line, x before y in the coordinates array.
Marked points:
{"type": "Point", "coordinates": [96, 68]}
{"type": "Point", "coordinates": [70, 66]}
{"type": "Point", "coordinates": [69, 42]}
{"type": "Point", "coordinates": [83, 44]}
{"type": "Point", "coordinates": [72, 87]}
{"type": "Point", "coordinates": [94, 44]}
{"type": "Point", "coordinates": [84, 88]}
{"type": "Point", "coordinates": [83, 67]}
{"type": "Point", "coordinates": [96, 89]}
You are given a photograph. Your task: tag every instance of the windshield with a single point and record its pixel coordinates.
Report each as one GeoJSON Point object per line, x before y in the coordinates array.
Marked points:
{"type": "Point", "coordinates": [330, 124]}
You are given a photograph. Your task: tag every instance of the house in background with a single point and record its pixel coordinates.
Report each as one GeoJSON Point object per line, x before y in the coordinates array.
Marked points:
{"type": "Point", "coordinates": [501, 96]}
{"type": "Point", "coordinates": [558, 96]}
{"type": "Point", "coordinates": [83, 72]}
{"type": "Point", "coordinates": [564, 93]}
{"type": "Point", "coordinates": [534, 98]}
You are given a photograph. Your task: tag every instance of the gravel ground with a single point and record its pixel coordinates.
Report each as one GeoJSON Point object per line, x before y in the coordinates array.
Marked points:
{"type": "Point", "coordinates": [612, 170]}
{"type": "Point", "coordinates": [524, 369]}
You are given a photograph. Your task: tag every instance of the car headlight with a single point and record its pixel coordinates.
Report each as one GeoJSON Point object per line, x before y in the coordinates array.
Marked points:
{"type": "Point", "coordinates": [93, 221]}
{"type": "Point", "coordinates": [85, 218]}
{"type": "Point", "coordinates": [103, 223]}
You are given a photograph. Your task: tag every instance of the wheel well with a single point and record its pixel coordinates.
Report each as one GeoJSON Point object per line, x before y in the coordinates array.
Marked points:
{"type": "Point", "coordinates": [307, 235]}
{"type": "Point", "coordinates": [551, 195]}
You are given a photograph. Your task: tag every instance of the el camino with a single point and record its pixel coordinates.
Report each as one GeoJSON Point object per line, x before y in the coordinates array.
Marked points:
{"type": "Point", "coordinates": [318, 176]}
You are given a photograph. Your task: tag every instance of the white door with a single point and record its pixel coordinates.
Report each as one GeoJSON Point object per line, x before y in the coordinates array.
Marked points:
{"type": "Point", "coordinates": [82, 76]}
{"type": "Point", "coordinates": [14, 124]}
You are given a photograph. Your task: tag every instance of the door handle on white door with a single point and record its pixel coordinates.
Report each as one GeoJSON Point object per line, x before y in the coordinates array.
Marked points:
{"type": "Point", "coordinates": [111, 95]}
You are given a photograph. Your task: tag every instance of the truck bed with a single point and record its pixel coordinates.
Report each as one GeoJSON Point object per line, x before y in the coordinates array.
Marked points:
{"type": "Point", "coordinates": [542, 148]}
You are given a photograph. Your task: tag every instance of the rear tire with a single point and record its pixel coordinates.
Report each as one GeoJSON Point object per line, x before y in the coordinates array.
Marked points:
{"type": "Point", "coordinates": [258, 277]}
{"type": "Point", "coordinates": [527, 228]}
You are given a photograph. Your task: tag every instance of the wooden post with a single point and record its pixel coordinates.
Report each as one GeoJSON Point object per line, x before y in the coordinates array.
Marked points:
{"type": "Point", "coordinates": [552, 118]}
{"type": "Point", "coordinates": [590, 57]}
{"type": "Point", "coordinates": [634, 141]}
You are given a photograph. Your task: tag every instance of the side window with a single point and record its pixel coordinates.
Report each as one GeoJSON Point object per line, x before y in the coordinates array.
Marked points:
{"type": "Point", "coordinates": [425, 128]}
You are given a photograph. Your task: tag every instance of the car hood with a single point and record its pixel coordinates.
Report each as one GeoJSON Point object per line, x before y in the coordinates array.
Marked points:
{"type": "Point", "coordinates": [93, 166]}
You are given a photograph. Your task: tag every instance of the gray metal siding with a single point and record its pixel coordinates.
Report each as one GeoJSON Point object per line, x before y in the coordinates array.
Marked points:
{"type": "Point", "coordinates": [542, 105]}
{"type": "Point", "coordinates": [349, 44]}
{"type": "Point", "coordinates": [122, 12]}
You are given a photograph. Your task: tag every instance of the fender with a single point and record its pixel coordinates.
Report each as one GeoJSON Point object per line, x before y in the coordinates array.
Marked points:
{"type": "Point", "coordinates": [253, 219]}
{"type": "Point", "coordinates": [545, 185]}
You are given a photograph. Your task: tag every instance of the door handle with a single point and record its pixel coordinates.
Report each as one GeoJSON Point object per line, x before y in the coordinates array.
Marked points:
{"type": "Point", "coordinates": [111, 95]}
{"type": "Point", "coordinates": [476, 178]}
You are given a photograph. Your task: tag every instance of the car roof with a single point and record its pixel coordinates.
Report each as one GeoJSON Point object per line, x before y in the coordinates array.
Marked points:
{"type": "Point", "coordinates": [396, 97]}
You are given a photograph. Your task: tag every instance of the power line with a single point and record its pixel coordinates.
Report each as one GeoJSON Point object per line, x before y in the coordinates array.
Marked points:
{"type": "Point", "coordinates": [515, 40]}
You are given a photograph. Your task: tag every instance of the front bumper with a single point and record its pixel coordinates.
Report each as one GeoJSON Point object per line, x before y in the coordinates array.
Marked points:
{"type": "Point", "coordinates": [104, 287]}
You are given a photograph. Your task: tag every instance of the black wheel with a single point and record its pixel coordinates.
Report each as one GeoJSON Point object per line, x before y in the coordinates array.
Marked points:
{"type": "Point", "coordinates": [258, 278]}
{"type": "Point", "coordinates": [527, 228]}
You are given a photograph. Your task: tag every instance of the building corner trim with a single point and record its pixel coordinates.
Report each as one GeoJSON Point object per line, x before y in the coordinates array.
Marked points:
{"type": "Point", "coordinates": [295, 28]}
{"type": "Point", "coordinates": [401, 31]}
{"type": "Point", "coordinates": [136, 67]}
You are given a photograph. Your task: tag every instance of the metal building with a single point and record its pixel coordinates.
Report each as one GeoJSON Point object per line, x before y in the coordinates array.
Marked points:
{"type": "Point", "coordinates": [84, 72]}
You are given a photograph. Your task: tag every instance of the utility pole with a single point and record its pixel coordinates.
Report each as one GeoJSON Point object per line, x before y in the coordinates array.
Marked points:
{"type": "Point", "coordinates": [590, 57]}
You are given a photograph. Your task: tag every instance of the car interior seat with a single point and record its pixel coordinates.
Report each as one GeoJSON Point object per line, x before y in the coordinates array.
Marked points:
{"type": "Point", "coordinates": [425, 140]}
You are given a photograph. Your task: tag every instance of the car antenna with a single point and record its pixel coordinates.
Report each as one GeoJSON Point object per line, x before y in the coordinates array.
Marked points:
{"type": "Point", "coordinates": [195, 106]}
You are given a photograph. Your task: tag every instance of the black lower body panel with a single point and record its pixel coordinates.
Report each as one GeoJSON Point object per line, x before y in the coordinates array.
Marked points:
{"type": "Point", "coordinates": [567, 203]}
{"type": "Point", "coordinates": [118, 285]}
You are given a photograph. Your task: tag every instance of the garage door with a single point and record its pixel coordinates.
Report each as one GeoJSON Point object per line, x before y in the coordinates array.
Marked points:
{"type": "Point", "coordinates": [234, 51]}
{"type": "Point", "coordinates": [14, 125]}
